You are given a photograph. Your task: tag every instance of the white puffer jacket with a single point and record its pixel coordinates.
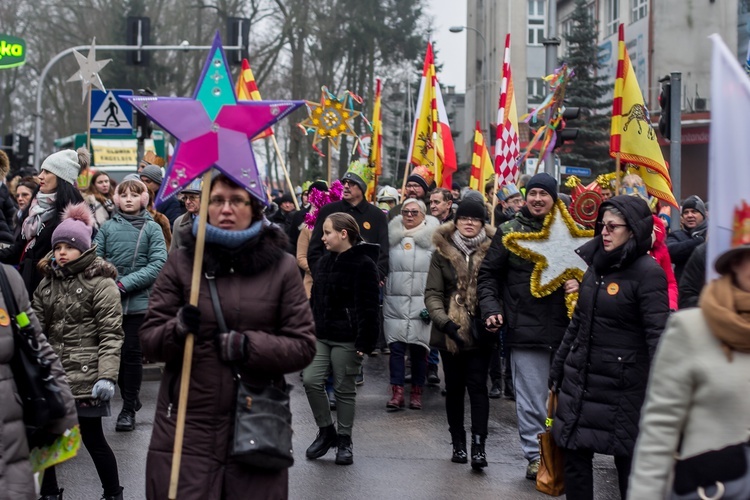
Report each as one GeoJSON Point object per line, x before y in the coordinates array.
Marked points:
{"type": "Point", "coordinates": [409, 263]}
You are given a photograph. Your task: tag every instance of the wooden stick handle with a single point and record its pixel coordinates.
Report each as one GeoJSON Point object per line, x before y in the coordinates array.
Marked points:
{"type": "Point", "coordinates": [617, 173]}
{"type": "Point", "coordinates": [187, 358]}
{"type": "Point", "coordinates": [286, 172]}
{"type": "Point", "coordinates": [330, 153]}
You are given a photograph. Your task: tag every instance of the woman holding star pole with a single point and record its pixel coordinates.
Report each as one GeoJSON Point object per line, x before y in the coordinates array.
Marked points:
{"type": "Point", "coordinates": [601, 368]}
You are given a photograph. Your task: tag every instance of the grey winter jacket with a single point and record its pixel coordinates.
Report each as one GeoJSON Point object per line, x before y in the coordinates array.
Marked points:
{"type": "Point", "coordinates": [138, 255]}
{"type": "Point", "coordinates": [409, 263]}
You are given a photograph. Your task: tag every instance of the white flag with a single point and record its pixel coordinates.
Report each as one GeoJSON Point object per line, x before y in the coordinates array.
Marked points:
{"type": "Point", "coordinates": [728, 149]}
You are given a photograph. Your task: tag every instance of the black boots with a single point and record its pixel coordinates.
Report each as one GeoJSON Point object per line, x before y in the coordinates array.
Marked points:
{"type": "Point", "coordinates": [496, 391]}
{"type": "Point", "coordinates": [433, 380]}
{"type": "Point", "coordinates": [325, 441]}
{"type": "Point", "coordinates": [344, 453]}
{"type": "Point", "coordinates": [118, 496]}
{"type": "Point", "coordinates": [478, 456]}
{"type": "Point", "coordinates": [459, 448]}
{"type": "Point", "coordinates": [125, 421]}
{"type": "Point", "coordinates": [58, 496]}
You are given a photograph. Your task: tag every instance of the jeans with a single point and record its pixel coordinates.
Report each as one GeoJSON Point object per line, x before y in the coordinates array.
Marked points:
{"type": "Point", "coordinates": [131, 362]}
{"type": "Point", "coordinates": [433, 358]}
{"type": "Point", "coordinates": [530, 375]}
{"type": "Point", "coordinates": [466, 371]}
{"type": "Point", "coordinates": [93, 439]}
{"type": "Point", "coordinates": [579, 477]}
{"type": "Point", "coordinates": [398, 365]}
{"type": "Point", "coordinates": [340, 358]}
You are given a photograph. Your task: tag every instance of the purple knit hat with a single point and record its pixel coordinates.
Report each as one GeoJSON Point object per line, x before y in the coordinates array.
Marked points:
{"type": "Point", "coordinates": [75, 228]}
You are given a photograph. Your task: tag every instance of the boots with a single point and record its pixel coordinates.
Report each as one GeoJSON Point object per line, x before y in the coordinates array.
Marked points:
{"type": "Point", "coordinates": [118, 496]}
{"type": "Point", "coordinates": [325, 441]}
{"type": "Point", "coordinates": [397, 401]}
{"type": "Point", "coordinates": [433, 379]}
{"type": "Point", "coordinates": [58, 496]}
{"type": "Point", "coordinates": [415, 398]}
{"type": "Point", "coordinates": [478, 456]}
{"type": "Point", "coordinates": [125, 421]}
{"type": "Point", "coordinates": [496, 391]}
{"type": "Point", "coordinates": [344, 453]}
{"type": "Point", "coordinates": [459, 448]}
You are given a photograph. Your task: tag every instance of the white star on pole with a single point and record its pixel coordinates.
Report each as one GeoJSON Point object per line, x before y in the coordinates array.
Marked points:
{"type": "Point", "coordinates": [88, 72]}
{"type": "Point", "coordinates": [558, 250]}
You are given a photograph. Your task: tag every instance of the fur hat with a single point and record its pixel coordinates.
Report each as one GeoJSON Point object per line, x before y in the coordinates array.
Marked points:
{"type": "Point", "coordinates": [543, 181]}
{"type": "Point", "coordinates": [4, 164]}
{"type": "Point", "coordinates": [64, 165]}
{"type": "Point", "coordinates": [154, 173]}
{"type": "Point", "coordinates": [144, 193]}
{"type": "Point", "coordinates": [471, 208]}
{"type": "Point", "coordinates": [75, 228]}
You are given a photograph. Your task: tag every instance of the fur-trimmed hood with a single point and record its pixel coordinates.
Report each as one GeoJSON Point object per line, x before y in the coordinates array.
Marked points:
{"type": "Point", "coordinates": [422, 237]}
{"type": "Point", "coordinates": [88, 263]}
{"type": "Point", "coordinates": [442, 239]}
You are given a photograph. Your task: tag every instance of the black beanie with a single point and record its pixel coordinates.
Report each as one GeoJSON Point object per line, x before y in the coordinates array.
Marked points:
{"type": "Point", "coordinates": [319, 185]}
{"type": "Point", "coordinates": [543, 181]}
{"type": "Point", "coordinates": [471, 208]}
{"type": "Point", "coordinates": [695, 203]}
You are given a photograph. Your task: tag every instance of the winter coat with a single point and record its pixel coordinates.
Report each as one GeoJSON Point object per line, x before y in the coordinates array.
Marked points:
{"type": "Point", "coordinates": [261, 296]}
{"type": "Point", "coordinates": [409, 263]}
{"type": "Point", "coordinates": [182, 225]}
{"type": "Point", "coordinates": [78, 307]}
{"type": "Point", "coordinates": [345, 297]}
{"type": "Point", "coordinates": [504, 287]}
{"type": "Point", "coordinates": [604, 359]}
{"type": "Point", "coordinates": [451, 291]}
{"type": "Point", "coordinates": [373, 226]}
{"type": "Point", "coordinates": [165, 225]}
{"type": "Point", "coordinates": [172, 208]}
{"type": "Point", "coordinates": [303, 243]}
{"type": "Point", "coordinates": [697, 401]}
{"type": "Point", "coordinates": [8, 210]}
{"type": "Point", "coordinates": [16, 477]}
{"type": "Point", "coordinates": [661, 254]}
{"type": "Point", "coordinates": [681, 244]}
{"type": "Point", "coordinates": [101, 214]}
{"type": "Point", "coordinates": [138, 255]}
{"type": "Point", "coordinates": [693, 278]}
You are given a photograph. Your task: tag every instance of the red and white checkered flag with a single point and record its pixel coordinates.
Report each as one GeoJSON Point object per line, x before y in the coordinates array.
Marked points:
{"type": "Point", "coordinates": [507, 147]}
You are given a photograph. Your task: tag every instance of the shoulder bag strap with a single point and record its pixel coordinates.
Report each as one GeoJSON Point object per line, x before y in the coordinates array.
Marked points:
{"type": "Point", "coordinates": [9, 298]}
{"type": "Point", "coordinates": [219, 315]}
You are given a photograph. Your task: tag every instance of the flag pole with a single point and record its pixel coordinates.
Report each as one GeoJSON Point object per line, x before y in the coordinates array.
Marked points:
{"type": "Point", "coordinates": [617, 173]}
{"type": "Point", "coordinates": [187, 358]}
{"type": "Point", "coordinates": [88, 127]}
{"type": "Point", "coordinates": [434, 159]}
{"type": "Point", "coordinates": [286, 172]}
{"type": "Point", "coordinates": [494, 201]}
{"type": "Point", "coordinates": [406, 175]}
{"type": "Point", "coordinates": [330, 149]}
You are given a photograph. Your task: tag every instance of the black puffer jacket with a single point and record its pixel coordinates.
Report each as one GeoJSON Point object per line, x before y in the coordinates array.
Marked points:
{"type": "Point", "coordinates": [345, 297]}
{"type": "Point", "coordinates": [605, 356]}
{"type": "Point", "coordinates": [693, 278]}
{"type": "Point", "coordinates": [504, 287]}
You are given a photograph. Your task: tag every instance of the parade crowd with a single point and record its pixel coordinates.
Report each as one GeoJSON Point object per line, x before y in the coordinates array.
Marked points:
{"type": "Point", "coordinates": [426, 276]}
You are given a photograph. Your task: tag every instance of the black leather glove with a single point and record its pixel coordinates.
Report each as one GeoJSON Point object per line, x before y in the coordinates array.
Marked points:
{"type": "Point", "coordinates": [451, 330]}
{"type": "Point", "coordinates": [188, 321]}
{"type": "Point", "coordinates": [232, 346]}
{"type": "Point", "coordinates": [554, 383]}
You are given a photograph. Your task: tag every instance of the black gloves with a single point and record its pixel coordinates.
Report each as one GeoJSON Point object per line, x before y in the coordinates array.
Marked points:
{"type": "Point", "coordinates": [188, 321]}
{"type": "Point", "coordinates": [232, 346]}
{"type": "Point", "coordinates": [451, 330]}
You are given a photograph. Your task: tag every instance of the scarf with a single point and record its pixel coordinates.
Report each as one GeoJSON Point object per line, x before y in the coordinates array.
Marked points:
{"type": "Point", "coordinates": [468, 245]}
{"type": "Point", "coordinates": [411, 232]}
{"type": "Point", "coordinates": [230, 239]}
{"type": "Point", "coordinates": [620, 257]}
{"type": "Point", "coordinates": [42, 209]}
{"type": "Point", "coordinates": [727, 312]}
{"type": "Point", "coordinates": [136, 220]}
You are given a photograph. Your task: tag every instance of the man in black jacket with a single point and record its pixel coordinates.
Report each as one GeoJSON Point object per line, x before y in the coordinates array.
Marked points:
{"type": "Point", "coordinates": [681, 243]}
{"type": "Point", "coordinates": [535, 326]}
{"type": "Point", "coordinates": [693, 278]}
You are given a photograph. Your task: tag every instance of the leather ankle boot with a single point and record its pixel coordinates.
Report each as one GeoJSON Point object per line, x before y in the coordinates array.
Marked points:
{"type": "Point", "coordinates": [397, 400]}
{"type": "Point", "coordinates": [125, 421]}
{"type": "Point", "coordinates": [118, 496]}
{"type": "Point", "coordinates": [344, 452]}
{"type": "Point", "coordinates": [478, 456]}
{"type": "Point", "coordinates": [325, 441]}
{"type": "Point", "coordinates": [415, 398]}
{"type": "Point", "coordinates": [459, 448]}
{"type": "Point", "coordinates": [58, 496]}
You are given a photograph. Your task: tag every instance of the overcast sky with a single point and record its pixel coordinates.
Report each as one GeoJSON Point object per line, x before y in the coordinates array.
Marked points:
{"type": "Point", "coordinates": [451, 46]}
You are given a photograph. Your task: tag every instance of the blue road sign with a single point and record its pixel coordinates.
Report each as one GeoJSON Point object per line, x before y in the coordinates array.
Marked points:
{"type": "Point", "coordinates": [579, 171]}
{"type": "Point", "coordinates": [110, 113]}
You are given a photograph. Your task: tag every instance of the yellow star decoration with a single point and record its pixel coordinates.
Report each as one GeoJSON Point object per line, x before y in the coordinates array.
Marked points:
{"type": "Point", "coordinates": [329, 119]}
{"type": "Point", "coordinates": [553, 251]}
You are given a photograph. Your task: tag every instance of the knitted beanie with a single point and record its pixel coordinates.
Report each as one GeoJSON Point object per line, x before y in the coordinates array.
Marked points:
{"type": "Point", "coordinates": [543, 181]}
{"type": "Point", "coordinates": [64, 165]}
{"type": "Point", "coordinates": [154, 173]}
{"type": "Point", "coordinates": [75, 228]}
{"type": "Point", "coordinates": [696, 204]}
{"type": "Point", "coordinates": [471, 208]}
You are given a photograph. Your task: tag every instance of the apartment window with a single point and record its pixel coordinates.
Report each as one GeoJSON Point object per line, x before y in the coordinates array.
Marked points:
{"type": "Point", "coordinates": [535, 22]}
{"type": "Point", "coordinates": [638, 10]}
{"type": "Point", "coordinates": [535, 91]}
{"type": "Point", "coordinates": [566, 29]}
{"type": "Point", "coordinates": [591, 9]}
{"type": "Point", "coordinates": [612, 12]}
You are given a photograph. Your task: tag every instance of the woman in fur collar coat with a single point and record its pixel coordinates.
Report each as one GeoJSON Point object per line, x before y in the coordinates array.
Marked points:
{"type": "Point", "coordinates": [410, 237]}
{"type": "Point", "coordinates": [464, 344]}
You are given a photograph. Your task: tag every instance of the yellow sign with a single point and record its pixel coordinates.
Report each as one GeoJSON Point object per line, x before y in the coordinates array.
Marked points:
{"type": "Point", "coordinates": [113, 152]}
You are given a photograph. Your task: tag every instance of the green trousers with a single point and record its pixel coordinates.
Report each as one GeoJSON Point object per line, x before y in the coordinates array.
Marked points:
{"type": "Point", "coordinates": [342, 359]}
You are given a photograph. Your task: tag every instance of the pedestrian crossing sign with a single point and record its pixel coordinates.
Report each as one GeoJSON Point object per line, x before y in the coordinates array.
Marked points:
{"type": "Point", "coordinates": [110, 113]}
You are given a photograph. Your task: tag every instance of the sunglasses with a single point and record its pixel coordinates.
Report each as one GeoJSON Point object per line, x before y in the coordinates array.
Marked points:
{"type": "Point", "coordinates": [611, 226]}
{"type": "Point", "coordinates": [410, 213]}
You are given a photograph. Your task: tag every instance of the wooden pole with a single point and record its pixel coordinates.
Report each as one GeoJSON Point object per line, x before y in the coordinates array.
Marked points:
{"type": "Point", "coordinates": [88, 127]}
{"type": "Point", "coordinates": [406, 175]}
{"type": "Point", "coordinates": [286, 172]}
{"type": "Point", "coordinates": [617, 173]}
{"type": "Point", "coordinates": [494, 201]}
{"type": "Point", "coordinates": [438, 178]}
{"type": "Point", "coordinates": [187, 358]}
{"type": "Point", "coordinates": [330, 150]}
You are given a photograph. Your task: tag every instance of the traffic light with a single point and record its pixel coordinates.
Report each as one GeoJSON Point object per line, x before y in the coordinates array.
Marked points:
{"type": "Point", "coordinates": [138, 33]}
{"type": "Point", "coordinates": [665, 119]}
{"type": "Point", "coordinates": [238, 34]}
{"type": "Point", "coordinates": [566, 133]}
{"type": "Point", "coordinates": [143, 126]}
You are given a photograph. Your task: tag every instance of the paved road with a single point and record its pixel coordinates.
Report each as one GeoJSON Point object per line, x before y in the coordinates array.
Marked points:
{"type": "Point", "coordinates": [402, 455]}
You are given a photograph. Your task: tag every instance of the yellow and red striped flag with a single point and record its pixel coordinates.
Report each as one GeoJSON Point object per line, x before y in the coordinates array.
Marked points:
{"type": "Point", "coordinates": [247, 90]}
{"type": "Point", "coordinates": [507, 146]}
{"type": "Point", "coordinates": [631, 135]}
{"type": "Point", "coordinates": [376, 142]}
{"type": "Point", "coordinates": [481, 163]}
{"type": "Point", "coordinates": [431, 132]}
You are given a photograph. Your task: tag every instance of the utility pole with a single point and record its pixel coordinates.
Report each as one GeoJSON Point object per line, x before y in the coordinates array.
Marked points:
{"type": "Point", "coordinates": [550, 44]}
{"type": "Point", "coordinates": [675, 143]}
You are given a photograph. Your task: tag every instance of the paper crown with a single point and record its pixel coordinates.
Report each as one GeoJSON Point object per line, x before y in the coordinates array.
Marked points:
{"type": "Point", "coordinates": [606, 181]}
{"type": "Point", "coordinates": [362, 170]}
{"type": "Point", "coordinates": [507, 191]}
{"type": "Point", "coordinates": [425, 173]}
{"type": "Point", "coordinates": [741, 226]}
{"type": "Point", "coordinates": [151, 158]}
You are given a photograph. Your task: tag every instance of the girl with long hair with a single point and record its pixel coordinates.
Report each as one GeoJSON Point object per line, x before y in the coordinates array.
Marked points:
{"type": "Point", "coordinates": [98, 196]}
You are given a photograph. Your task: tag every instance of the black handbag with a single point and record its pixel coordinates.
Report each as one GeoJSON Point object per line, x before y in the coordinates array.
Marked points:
{"type": "Point", "coordinates": [40, 393]}
{"type": "Point", "coordinates": [262, 418]}
{"type": "Point", "coordinates": [714, 474]}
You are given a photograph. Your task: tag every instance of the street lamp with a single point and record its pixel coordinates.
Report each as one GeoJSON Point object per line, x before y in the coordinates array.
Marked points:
{"type": "Point", "coordinates": [485, 69]}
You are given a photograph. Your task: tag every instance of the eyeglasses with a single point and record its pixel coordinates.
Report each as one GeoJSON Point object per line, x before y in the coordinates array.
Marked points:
{"type": "Point", "coordinates": [191, 197]}
{"type": "Point", "coordinates": [233, 202]}
{"type": "Point", "coordinates": [413, 185]}
{"type": "Point", "coordinates": [470, 219]}
{"type": "Point", "coordinates": [348, 182]}
{"type": "Point", "coordinates": [410, 213]}
{"type": "Point", "coordinates": [610, 226]}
